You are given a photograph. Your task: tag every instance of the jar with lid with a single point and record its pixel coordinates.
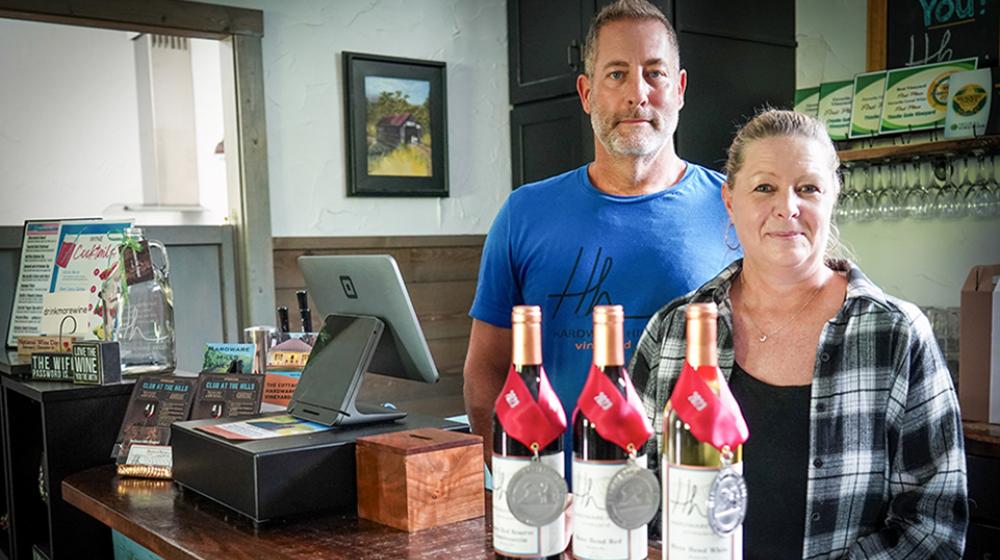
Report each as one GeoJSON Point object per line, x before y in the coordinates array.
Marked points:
{"type": "Point", "coordinates": [139, 307]}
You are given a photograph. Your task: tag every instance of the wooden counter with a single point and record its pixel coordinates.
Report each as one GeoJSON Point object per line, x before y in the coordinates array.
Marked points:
{"type": "Point", "coordinates": [177, 524]}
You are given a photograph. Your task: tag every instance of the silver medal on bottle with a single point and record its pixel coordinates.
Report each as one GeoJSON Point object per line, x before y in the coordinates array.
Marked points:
{"type": "Point", "coordinates": [633, 495]}
{"type": "Point", "coordinates": [536, 494]}
{"type": "Point", "coordinates": [727, 497]}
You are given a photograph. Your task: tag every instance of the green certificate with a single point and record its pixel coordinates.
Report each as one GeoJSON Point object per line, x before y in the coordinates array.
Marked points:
{"type": "Point", "coordinates": [917, 98]}
{"type": "Point", "coordinates": [835, 107]}
{"type": "Point", "coordinates": [866, 108]}
{"type": "Point", "coordinates": [807, 101]}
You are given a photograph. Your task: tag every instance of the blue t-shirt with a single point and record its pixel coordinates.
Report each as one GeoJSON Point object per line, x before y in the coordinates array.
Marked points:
{"type": "Point", "coordinates": [566, 246]}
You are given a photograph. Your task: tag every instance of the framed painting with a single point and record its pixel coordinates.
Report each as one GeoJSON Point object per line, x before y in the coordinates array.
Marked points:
{"type": "Point", "coordinates": [397, 129]}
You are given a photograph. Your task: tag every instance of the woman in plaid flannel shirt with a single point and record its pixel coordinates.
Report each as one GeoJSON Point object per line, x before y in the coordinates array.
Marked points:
{"type": "Point", "coordinates": [856, 446]}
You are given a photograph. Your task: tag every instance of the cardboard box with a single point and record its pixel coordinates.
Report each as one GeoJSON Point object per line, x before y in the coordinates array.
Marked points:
{"type": "Point", "coordinates": [976, 344]}
{"type": "Point", "coordinates": [420, 479]}
{"type": "Point", "coordinates": [995, 359]}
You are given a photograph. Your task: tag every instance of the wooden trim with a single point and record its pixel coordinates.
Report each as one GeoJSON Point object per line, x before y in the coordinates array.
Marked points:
{"type": "Point", "coordinates": [253, 225]}
{"type": "Point", "coordinates": [877, 35]}
{"type": "Point", "coordinates": [910, 150]}
{"type": "Point", "coordinates": [230, 287]}
{"type": "Point", "coordinates": [376, 242]}
{"type": "Point", "coordinates": [192, 19]}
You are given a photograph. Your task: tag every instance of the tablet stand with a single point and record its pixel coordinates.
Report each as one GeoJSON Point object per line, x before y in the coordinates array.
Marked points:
{"type": "Point", "coordinates": [328, 388]}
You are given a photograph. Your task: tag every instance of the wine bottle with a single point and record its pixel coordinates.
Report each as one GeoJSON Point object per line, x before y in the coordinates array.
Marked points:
{"type": "Point", "coordinates": [704, 499]}
{"type": "Point", "coordinates": [303, 299]}
{"type": "Point", "coordinates": [283, 320]}
{"type": "Point", "coordinates": [526, 431]}
{"type": "Point", "coordinates": [608, 433]}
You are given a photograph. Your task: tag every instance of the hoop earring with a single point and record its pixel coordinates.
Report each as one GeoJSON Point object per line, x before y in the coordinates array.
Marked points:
{"type": "Point", "coordinates": [726, 241]}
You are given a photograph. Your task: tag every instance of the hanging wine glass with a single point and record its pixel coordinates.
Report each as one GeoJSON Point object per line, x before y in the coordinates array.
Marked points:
{"type": "Point", "coordinates": [859, 182]}
{"type": "Point", "coordinates": [978, 199]}
{"type": "Point", "coordinates": [915, 199]}
{"type": "Point", "coordinates": [993, 184]}
{"type": "Point", "coordinates": [887, 202]}
{"type": "Point", "coordinates": [864, 204]}
{"type": "Point", "coordinates": [846, 199]}
{"type": "Point", "coordinates": [947, 202]}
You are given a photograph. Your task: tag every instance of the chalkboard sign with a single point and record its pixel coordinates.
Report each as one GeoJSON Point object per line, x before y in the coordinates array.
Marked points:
{"type": "Point", "coordinates": [929, 31]}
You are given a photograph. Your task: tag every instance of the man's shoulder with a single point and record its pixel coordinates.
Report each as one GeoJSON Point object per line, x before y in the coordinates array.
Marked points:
{"type": "Point", "coordinates": [703, 175]}
{"type": "Point", "coordinates": [550, 186]}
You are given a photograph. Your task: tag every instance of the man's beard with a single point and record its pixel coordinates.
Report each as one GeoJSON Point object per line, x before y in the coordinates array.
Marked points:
{"type": "Point", "coordinates": [639, 142]}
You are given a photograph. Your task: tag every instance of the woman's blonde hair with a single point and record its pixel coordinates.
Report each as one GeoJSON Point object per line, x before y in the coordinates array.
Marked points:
{"type": "Point", "coordinates": [771, 123]}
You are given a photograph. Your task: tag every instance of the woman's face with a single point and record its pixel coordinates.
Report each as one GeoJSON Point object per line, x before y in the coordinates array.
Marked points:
{"type": "Point", "coordinates": [782, 201]}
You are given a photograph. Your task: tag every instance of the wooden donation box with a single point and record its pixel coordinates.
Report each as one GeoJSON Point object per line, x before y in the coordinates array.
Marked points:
{"type": "Point", "coordinates": [422, 478]}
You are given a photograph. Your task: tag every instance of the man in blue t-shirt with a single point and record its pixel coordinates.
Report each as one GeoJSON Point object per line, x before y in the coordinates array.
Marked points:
{"type": "Point", "coordinates": [637, 227]}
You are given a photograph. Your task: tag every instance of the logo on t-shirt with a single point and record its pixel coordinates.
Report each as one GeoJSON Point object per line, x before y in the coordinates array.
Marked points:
{"type": "Point", "coordinates": [592, 291]}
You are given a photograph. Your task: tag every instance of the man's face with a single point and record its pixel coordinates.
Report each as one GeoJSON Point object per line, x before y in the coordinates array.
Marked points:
{"type": "Point", "coordinates": [636, 91]}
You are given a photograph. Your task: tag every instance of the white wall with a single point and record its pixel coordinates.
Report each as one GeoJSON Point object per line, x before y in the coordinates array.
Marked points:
{"type": "Point", "coordinates": [303, 82]}
{"type": "Point", "coordinates": [922, 261]}
{"type": "Point", "coordinates": [69, 127]}
{"type": "Point", "coordinates": [925, 262]}
{"type": "Point", "coordinates": [831, 40]}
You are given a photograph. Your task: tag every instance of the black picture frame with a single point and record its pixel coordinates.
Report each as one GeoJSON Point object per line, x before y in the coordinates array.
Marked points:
{"type": "Point", "coordinates": [402, 137]}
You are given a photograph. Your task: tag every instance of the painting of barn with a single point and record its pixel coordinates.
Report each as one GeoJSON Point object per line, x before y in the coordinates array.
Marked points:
{"type": "Point", "coordinates": [398, 126]}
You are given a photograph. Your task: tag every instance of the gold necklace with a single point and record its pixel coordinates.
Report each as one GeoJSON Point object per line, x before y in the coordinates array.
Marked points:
{"type": "Point", "coordinates": [763, 335]}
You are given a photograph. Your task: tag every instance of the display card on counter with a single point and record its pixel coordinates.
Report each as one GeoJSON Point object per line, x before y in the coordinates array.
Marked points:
{"type": "Point", "coordinates": [39, 242]}
{"type": "Point", "coordinates": [157, 401]}
{"type": "Point", "coordinates": [866, 106]}
{"type": "Point", "coordinates": [285, 362]}
{"type": "Point", "coordinates": [57, 257]}
{"type": "Point", "coordinates": [227, 396]}
{"type": "Point", "coordinates": [267, 427]}
{"type": "Point", "coordinates": [86, 254]}
{"type": "Point", "coordinates": [145, 461]}
{"type": "Point", "coordinates": [835, 107]}
{"type": "Point", "coordinates": [916, 98]}
{"type": "Point", "coordinates": [220, 356]}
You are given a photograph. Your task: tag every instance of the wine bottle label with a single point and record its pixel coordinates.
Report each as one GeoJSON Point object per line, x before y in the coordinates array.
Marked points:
{"type": "Point", "coordinates": [686, 529]}
{"type": "Point", "coordinates": [510, 536]}
{"type": "Point", "coordinates": [595, 536]}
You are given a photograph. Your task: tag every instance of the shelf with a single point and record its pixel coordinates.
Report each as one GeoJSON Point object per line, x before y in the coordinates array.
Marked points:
{"type": "Point", "coordinates": [900, 150]}
{"type": "Point", "coordinates": [52, 391]}
{"type": "Point", "coordinates": [12, 364]}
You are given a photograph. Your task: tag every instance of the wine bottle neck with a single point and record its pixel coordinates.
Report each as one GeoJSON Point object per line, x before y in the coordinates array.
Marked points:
{"type": "Point", "coordinates": [617, 376]}
{"type": "Point", "coordinates": [526, 344]}
{"type": "Point", "coordinates": [609, 341]}
{"type": "Point", "coordinates": [531, 376]}
{"type": "Point", "coordinates": [701, 340]}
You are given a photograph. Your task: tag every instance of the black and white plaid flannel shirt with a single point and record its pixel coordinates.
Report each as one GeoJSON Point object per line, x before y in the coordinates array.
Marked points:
{"type": "Point", "coordinates": [887, 472]}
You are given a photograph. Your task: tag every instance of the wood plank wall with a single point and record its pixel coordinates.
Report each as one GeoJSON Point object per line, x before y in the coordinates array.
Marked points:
{"type": "Point", "coordinates": [440, 274]}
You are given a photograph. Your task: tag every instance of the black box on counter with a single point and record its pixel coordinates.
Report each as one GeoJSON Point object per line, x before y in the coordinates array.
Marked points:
{"type": "Point", "coordinates": [271, 478]}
